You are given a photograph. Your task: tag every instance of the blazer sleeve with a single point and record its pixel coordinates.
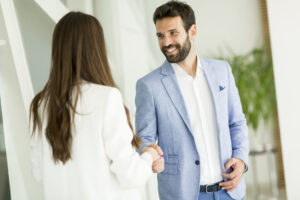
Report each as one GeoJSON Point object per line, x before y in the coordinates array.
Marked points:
{"type": "Point", "coordinates": [145, 116]}
{"type": "Point", "coordinates": [237, 122]}
{"type": "Point", "coordinates": [131, 169]}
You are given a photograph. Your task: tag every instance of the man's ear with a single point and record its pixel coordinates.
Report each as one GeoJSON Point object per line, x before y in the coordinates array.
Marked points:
{"type": "Point", "coordinates": [193, 31]}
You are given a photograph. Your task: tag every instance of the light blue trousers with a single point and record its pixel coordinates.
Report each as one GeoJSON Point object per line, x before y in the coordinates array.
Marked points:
{"type": "Point", "coordinates": [220, 195]}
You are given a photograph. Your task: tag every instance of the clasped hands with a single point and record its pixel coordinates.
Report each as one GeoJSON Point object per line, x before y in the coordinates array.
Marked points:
{"type": "Point", "coordinates": [158, 164]}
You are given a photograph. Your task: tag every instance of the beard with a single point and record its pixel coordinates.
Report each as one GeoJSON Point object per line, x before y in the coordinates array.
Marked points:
{"type": "Point", "coordinates": [183, 51]}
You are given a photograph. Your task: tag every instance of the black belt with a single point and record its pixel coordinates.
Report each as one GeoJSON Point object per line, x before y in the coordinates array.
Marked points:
{"type": "Point", "coordinates": [210, 188]}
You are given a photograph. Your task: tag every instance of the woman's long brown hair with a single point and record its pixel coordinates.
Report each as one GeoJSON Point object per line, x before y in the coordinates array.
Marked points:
{"type": "Point", "coordinates": [78, 53]}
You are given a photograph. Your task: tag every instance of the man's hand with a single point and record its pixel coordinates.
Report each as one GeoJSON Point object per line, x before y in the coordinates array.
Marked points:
{"type": "Point", "coordinates": [157, 148]}
{"type": "Point", "coordinates": [152, 152]}
{"type": "Point", "coordinates": [159, 164]}
{"type": "Point", "coordinates": [235, 176]}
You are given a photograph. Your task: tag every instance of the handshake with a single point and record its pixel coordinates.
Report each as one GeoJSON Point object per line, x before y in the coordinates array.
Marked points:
{"type": "Point", "coordinates": [158, 164]}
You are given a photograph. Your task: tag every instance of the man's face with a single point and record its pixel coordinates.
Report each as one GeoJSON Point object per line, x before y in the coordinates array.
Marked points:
{"type": "Point", "coordinates": [173, 40]}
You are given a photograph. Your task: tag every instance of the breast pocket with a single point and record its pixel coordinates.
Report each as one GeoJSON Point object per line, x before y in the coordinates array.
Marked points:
{"type": "Point", "coordinates": [223, 100]}
{"type": "Point", "coordinates": [171, 165]}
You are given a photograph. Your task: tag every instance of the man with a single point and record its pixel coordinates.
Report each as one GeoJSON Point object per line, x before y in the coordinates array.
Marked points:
{"type": "Point", "coordinates": [192, 106]}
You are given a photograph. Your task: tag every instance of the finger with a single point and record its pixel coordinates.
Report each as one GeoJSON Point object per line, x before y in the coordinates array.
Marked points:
{"type": "Point", "coordinates": [159, 151]}
{"type": "Point", "coordinates": [158, 168]}
{"type": "Point", "coordinates": [228, 187]}
{"type": "Point", "coordinates": [158, 161]}
{"type": "Point", "coordinates": [226, 183]}
{"type": "Point", "coordinates": [155, 170]}
{"type": "Point", "coordinates": [229, 164]}
{"type": "Point", "coordinates": [153, 152]}
{"type": "Point", "coordinates": [231, 189]}
{"type": "Point", "coordinates": [230, 184]}
{"type": "Point", "coordinates": [162, 163]}
{"type": "Point", "coordinates": [231, 175]}
{"type": "Point", "coordinates": [157, 148]}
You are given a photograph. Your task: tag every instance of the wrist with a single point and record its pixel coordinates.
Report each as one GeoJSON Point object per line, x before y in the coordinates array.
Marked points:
{"type": "Point", "coordinates": [244, 164]}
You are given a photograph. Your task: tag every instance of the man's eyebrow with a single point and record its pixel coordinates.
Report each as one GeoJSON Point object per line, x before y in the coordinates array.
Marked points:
{"type": "Point", "coordinates": [167, 31]}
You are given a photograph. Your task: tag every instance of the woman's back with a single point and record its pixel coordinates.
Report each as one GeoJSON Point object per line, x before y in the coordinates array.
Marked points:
{"type": "Point", "coordinates": [103, 164]}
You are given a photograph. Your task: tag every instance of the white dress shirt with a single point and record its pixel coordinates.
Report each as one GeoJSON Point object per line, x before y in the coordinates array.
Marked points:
{"type": "Point", "coordinates": [201, 112]}
{"type": "Point", "coordinates": [103, 165]}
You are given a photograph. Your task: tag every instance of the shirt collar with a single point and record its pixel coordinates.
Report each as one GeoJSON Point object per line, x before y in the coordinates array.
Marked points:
{"type": "Point", "coordinates": [181, 73]}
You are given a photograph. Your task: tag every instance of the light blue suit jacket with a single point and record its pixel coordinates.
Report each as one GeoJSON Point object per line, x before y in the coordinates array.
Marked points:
{"type": "Point", "coordinates": [161, 114]}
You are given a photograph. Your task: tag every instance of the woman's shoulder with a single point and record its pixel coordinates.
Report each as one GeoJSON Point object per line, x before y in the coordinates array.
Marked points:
{"type": "Point", "coordinates": [103, 91]}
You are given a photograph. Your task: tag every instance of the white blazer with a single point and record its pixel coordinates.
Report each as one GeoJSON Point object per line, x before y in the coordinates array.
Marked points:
{"type": "Point", "coordinates": [104, 166]}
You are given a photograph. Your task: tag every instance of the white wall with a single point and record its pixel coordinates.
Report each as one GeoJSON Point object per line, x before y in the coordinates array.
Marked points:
{"type": "Point", "coordinates": [15, 91]}
{"type": "Point", "coordinates": [109, 18]}
{"type": "Point", "coordinates": [284, 18]}
{"type": "Point", "coordinates": [230, 24]}
{"type": "Point", "coordinates": [36, 29]}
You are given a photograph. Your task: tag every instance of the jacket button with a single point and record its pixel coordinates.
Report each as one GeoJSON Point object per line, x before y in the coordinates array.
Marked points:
{"type": "Point", "coordinates": [197, 162]}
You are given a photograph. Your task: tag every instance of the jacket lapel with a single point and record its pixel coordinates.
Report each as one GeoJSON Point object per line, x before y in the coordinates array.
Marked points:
{"type": "Point", "coordinates": [172, 87]}
{"type": "Point", "coordinates": [212, 83]}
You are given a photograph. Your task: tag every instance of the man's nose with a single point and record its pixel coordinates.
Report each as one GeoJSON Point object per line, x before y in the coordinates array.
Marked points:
{"type": "Point", "coordinates": [166, 41]}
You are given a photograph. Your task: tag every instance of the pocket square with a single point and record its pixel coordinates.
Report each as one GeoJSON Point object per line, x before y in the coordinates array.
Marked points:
{"type": "Point", "coordinates": [221, 88]}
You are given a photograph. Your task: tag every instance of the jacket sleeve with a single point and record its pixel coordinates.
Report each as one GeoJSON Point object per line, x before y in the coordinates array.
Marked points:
{"type": "Point", "coordinates": [131, 169]}
{"type": "Point", "coordinates": [237, 122]}
{"type": "Point", "coordinates": [145, 116]}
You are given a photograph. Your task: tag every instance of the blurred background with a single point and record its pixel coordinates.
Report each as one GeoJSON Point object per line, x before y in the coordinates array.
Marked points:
{"type": "Point", "coordinates": [237, 31]}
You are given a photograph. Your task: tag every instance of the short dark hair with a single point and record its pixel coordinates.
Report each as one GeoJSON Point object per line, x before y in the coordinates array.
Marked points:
{"type": "Point", "coordinates": [173, 9]}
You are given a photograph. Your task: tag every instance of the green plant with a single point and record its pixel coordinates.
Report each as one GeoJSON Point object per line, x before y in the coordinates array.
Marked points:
{"type": "Point", "coordinates": [254, 78]}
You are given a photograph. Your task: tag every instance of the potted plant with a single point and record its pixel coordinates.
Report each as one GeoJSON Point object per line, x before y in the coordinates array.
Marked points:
{"type": "Point", "coordinates": [254, 78]}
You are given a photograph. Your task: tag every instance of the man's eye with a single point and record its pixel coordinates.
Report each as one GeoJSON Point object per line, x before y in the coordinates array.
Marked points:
{"type": "Point", "coordinates": [172, 32]}
{"type": "Point", "coordinates": [160, 35]}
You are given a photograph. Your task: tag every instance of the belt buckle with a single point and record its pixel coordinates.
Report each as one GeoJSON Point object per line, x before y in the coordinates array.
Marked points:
{"type": "Point", "coordinates": [206, 189]}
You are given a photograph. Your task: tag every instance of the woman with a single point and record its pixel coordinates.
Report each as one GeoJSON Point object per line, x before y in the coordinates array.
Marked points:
{"type": "Point", "coordinates": [84, 145]}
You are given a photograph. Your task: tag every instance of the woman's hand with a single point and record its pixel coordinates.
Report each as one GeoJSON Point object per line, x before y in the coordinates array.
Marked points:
{"type": "Point", "coordinates": [152, 151]}
{"type": "Point", "coordinates": [158, 164]}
